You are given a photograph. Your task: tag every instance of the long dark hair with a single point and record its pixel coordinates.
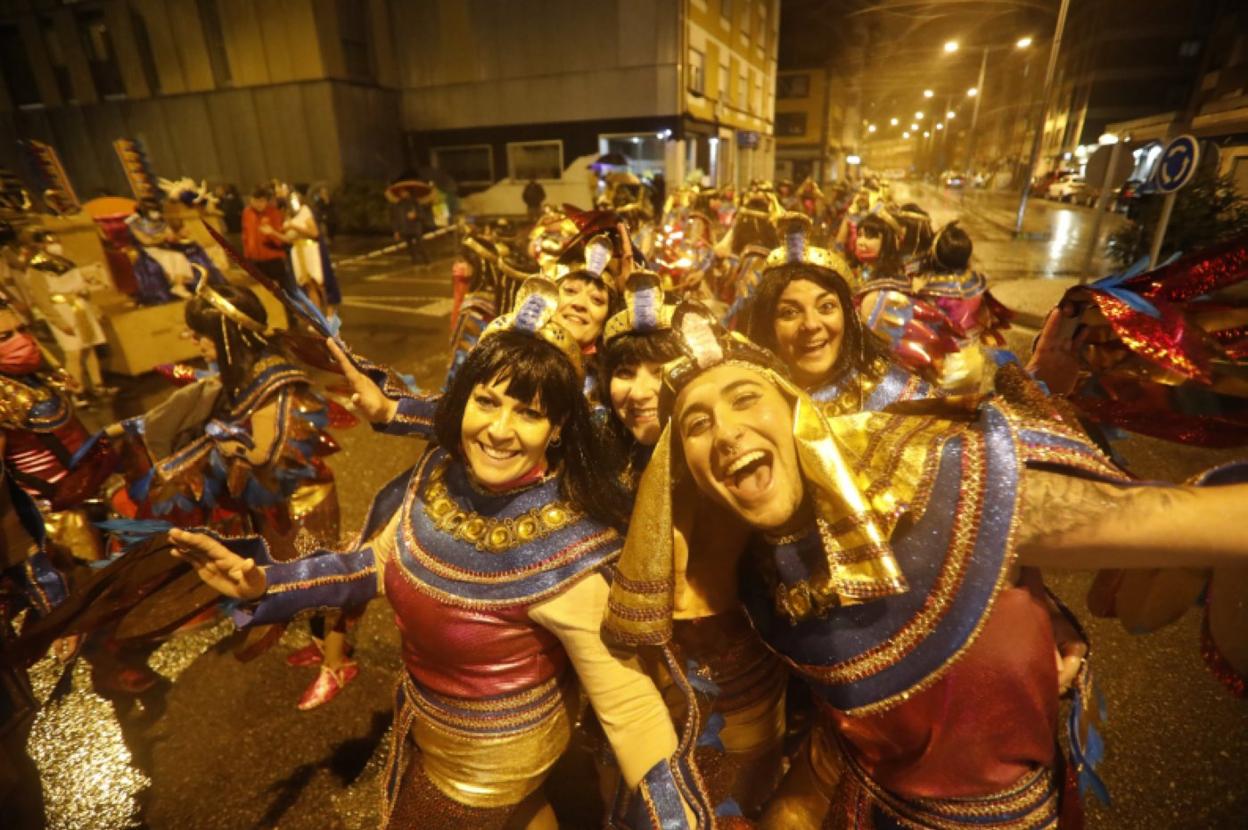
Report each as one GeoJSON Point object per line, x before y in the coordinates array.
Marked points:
{"type": "Point", "coordinates": [889, 263]}
{"type": "Point", "coordinates": [859, 346]}
{"type": "Point", "coordinates": [536, 369]}
{"type": "Point", "coordinates": [238, 348]}
{"type": "Point", "coordinates": [632, 350]}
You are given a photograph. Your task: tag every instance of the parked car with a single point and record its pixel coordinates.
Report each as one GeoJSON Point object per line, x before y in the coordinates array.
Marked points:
{"type": "Point", "coordinates": [1069, 189]}
{"type": "Point", "coordinates": [1040, 187]}
{"type": "Point", "coordinates": [953, 179]}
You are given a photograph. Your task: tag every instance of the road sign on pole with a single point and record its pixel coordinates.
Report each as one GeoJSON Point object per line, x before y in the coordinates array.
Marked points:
{"type": "Point", "coordinates": [1175, 169]}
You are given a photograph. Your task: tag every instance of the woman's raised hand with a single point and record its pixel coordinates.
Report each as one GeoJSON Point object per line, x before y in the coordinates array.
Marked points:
{"type": "Point", "coordinates": [366, 395]}
{"type": "Point", "coordinates": [219, 567]}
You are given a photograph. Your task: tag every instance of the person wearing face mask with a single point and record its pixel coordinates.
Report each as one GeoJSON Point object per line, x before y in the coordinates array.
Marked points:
{"type": "Point", "coordinates": [61, 294]}
{"type": "Point", "coordinates": [244, 447]}
{"type": "Point", "coordinates": [492, 552]}
{"type": "Point", "coordinates": [741, 685]}
{"type": "Point", "coordinates": [885, 568]}
{"type": "Point", "coordinates": [42, 434]}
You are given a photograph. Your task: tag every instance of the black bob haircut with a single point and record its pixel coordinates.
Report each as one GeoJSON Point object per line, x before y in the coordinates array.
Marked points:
{"type": "Point", "coordinates": [536, 371]}
{"type": "Point", "coordinates": [859, 346]}
{"type": "Point", "coordinates": [238, 348]}
{"type": "Point", "coordinates": [635, 348]}
{"type": "Point", "coordinates": [953, 249]}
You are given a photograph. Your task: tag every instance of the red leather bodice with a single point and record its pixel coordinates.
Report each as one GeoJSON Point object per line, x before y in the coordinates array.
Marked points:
{"type": "Point", "coordinates": [461, 652]}
{"type": "Point", "coordinates": [991, 719]}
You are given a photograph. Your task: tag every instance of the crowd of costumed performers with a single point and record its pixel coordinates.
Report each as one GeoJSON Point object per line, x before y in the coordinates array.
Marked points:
{"type": "Point", "coordinates": [746, 494]}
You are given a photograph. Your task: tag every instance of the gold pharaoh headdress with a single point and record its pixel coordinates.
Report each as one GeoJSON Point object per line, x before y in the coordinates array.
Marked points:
{"type": "Point", "coordinates": [859, 564]}
{"type": "Point", "coordinates": [228, 310]}
{"type": "Point", "coordinates": [644, 310]}
{"type": "Point", "coordinates": [535, 306]}
{"type": "Point", "coordinates": [795, 229]}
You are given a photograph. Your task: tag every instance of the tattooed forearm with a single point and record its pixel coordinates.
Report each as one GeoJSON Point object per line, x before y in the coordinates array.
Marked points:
{"type": "Point", "coordinates": [1066, 521]}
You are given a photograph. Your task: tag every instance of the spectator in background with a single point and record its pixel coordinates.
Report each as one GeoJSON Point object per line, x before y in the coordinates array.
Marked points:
{"type": "Point", "coordinates": [231, 206]}
{"type": "Point", "coordinates": [263, 245]}
{"type": "Point", "coordinates": [323, 209]}
{"type": "Point", "coordinates": [407, 216]}
{"type": "Point", "coordinates": [534, 194]}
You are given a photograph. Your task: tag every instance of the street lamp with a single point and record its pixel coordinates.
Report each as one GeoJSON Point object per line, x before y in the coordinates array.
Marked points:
{"type": "Point", "coordinates": [940, 126]}
{"type": "Point", "coordinates": [927, 93]}
{"type": "Point", "coordinates": [914, 126]}
{"type": "Point", "coordinates": [870, 128]}
{"type": "Point", "coordinates": [951, 46]}
{"type": "Point", "coordinates": [950, 115]}
{"type": "Point", "coordinates": [905, 135]}
{"type": "Point", "coordinates": [972, 92]}
{"type": "Point", "coordinates": [918, 116]}
{"type": "Point", "coordinates": [892, 121]}
{"type": "Point", "coordinates": [927, 134]}
{"type": "Point", "coordinates": [1023, 42]}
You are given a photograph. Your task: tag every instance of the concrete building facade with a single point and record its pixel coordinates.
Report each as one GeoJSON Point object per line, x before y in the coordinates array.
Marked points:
{"type": "Point", "coordinates": [311, 90]}
{"type": "Point", "coordinates": [224, 90]}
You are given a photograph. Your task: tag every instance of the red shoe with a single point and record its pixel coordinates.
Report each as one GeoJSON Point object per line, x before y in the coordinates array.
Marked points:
{"type": "Point", "coordinates": [327, 685]}
{"type": "Point", "coordinates": [309, 655]}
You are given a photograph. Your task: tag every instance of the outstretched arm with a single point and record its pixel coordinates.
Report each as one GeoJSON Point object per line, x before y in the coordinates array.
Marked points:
{"type": "Point", "coordinates": [1070, 522]}
{"type": "Point", "coordinates": [391, 412]}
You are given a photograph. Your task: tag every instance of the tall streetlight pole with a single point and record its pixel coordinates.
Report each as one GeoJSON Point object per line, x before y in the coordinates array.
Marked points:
{"type": "Point", "coordinates": [1044, 106]}
{"type": "Point", "coordinates": [979, 95]}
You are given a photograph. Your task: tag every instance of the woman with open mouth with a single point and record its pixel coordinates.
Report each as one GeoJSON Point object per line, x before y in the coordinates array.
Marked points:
{"type": "Point", "coordinates": [885, 568]}
{"type": "Point", "coordinates": [492, 551]}
{"type": "Point", "coordinates": [739, 684]}
{"type": "Point", "coordinates": [804, 313]}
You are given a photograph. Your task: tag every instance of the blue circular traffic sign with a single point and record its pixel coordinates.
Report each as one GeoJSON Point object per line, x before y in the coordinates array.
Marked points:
{"type": "Point", "coordinates": [1177, 164]}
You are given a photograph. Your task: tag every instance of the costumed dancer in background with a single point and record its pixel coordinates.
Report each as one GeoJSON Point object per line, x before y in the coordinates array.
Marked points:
{"type": "Point", "coordinates": [165, 256]}
{"type": "Point", "coordinates": [743, 250]}
{"type": "Point", "coordinates": [244, 449]}
{"type": "Point", "coordinates": [968, 312]}
{"type": "Point", "coordinates": [28, 580]}
{"type": "Point", "coordinates": [884, 571]}
{"type": "Point", "coordinates": [42, 434]}
{"type": "Point", "coordinates": [59, 291]}
{"type": "Point", "coordinates": [309, 251]}
{"type": "Point", "coordinates": [740, 685]}
{"type": "Point", "coordinates": [492, 551]}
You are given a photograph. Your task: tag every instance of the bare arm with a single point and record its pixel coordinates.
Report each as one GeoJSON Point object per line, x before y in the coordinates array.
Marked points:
{"type": "Point", "coordinates": [1069, 522]}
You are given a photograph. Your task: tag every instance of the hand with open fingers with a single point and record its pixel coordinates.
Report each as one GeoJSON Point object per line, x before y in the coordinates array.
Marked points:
{"type": "Point", "coordinates": [219, 567]}
{"type": "Point", "coordinates": [366, 395]}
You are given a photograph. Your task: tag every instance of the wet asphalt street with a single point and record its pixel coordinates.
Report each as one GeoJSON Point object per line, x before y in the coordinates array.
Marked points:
{"type": "Point", "coordinates": [222, 745]}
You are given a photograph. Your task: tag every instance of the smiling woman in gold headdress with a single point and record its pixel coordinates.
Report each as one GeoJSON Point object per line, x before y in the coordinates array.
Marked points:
{"type": "Point", "coordinates": [492, 551]}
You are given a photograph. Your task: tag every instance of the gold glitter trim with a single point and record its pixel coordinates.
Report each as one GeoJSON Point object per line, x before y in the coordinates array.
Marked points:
{"type": "Point", "coordinates": [487, 534]}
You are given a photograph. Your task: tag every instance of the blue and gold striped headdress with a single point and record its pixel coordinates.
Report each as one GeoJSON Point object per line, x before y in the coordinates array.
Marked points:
{"type": "Point", "coordinates": [533, 313]}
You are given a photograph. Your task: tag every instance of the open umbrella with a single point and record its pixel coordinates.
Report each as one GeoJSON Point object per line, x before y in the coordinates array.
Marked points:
{"type": "Point", "coordinates": [415, 188]}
